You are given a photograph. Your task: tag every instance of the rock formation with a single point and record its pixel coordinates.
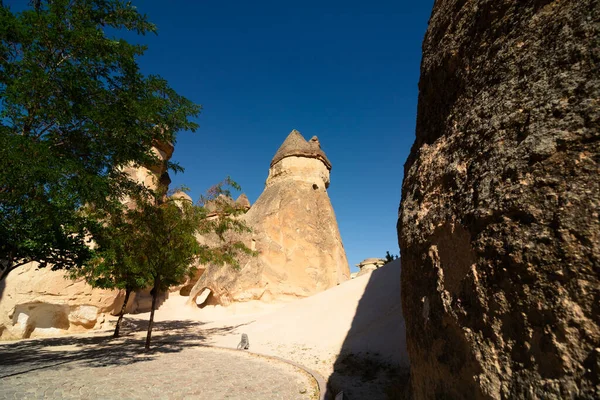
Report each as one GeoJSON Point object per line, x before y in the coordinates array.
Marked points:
{"type": "Point", "coordinates": [498, 227]}
{"type": "Point", "coordinates": [152, 177]}
{"type": "Point", "coordinates": [41, 302]}
{"type": "Point", "coordinates": [369, 265]}
{"type": "Point", "coordinates": [243, 202]}
{"type": "Point", "coordinates": [155, 175]}
{"type": "Point", "coordinates": [295, 233]}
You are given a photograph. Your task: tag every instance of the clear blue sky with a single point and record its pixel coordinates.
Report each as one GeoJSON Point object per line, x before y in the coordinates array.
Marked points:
{"type": "Point", "coordinates": [346, 71]}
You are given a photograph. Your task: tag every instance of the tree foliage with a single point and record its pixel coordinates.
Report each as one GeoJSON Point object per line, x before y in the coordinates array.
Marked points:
{"type": "Point", "coordinates": [169, 245]}
{"type": "Point", "coordinates": [115, 261]}
{"type": "Point", "coordinates": [74, 109]}
{"type": "Point", "coordinates": [156, 243]}
{"type": "Point", "coordinates": [390, 257]}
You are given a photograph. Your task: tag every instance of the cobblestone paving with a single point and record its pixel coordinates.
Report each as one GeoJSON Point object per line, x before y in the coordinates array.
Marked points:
{"type": "Point", "coordinates": [94, 369]}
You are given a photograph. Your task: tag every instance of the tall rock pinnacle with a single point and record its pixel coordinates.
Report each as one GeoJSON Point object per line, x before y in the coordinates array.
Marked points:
{"type": "Point", "coordinates": [295, 233]}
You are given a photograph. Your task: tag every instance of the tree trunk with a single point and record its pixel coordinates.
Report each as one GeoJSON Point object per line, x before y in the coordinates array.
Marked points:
{"type": "Point", "coordinates": [6, 264]}
{"type": "Point", "coordinates": [151, 322]}
{"type": "Point", "coordinates": [118, 327]}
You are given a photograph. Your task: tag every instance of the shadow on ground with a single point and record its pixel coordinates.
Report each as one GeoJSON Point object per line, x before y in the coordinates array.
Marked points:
{"type": "Point", "coordinates": [373, 361]}
{"type": "Point", "coordinates": [103, 350]}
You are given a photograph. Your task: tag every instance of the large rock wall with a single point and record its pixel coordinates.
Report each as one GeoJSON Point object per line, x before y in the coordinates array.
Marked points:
{"type": "Point", "coordinates": [41, 302]}
{"type": "Point", "coordinates": [499, 223]}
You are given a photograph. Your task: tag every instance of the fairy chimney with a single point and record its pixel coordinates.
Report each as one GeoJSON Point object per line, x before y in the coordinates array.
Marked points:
{"type": "Point", "coordinates": [295, 232]}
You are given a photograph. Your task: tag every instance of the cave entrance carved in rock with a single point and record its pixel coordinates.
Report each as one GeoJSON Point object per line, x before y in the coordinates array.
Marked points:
{"type": "Point", "coordinates": [206, 298]}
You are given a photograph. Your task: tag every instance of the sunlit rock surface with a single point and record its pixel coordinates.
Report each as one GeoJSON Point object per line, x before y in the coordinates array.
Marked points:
{"type": "Point", "coordinates": [41, 302]}
{"type": "Point", "coordinates": [295, 233]}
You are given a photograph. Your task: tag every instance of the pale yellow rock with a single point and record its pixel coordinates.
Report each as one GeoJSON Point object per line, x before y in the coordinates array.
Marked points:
{"type": "Point", "coordinates": [84, 315]}
{"type": "Point", "coordinates": [295, 233]}
{"type": "Point", "coordinates": [152, 176]}
{"type": "Point", "coordinates": [369, 265]}
{"type": "Point", "coordinates": [376, 262]}
{"type": "Point", "coordinates": [366, 270]}
{"type": "Point", "coordinates": [41, 302]}
{"type": "Point", "coordinates": [181, 196]}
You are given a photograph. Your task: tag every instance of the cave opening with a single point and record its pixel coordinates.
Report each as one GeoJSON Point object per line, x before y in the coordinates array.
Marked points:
{"type": "Point", "coordinates": [206, 298]}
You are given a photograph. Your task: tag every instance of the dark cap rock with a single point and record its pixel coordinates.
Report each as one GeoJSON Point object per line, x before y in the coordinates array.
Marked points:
{"type": "Point", "coordinates": [296, 146]}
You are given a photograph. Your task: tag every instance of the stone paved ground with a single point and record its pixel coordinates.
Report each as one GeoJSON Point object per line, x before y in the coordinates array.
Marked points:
{"type": "Point", "coordinates": [103, 368]}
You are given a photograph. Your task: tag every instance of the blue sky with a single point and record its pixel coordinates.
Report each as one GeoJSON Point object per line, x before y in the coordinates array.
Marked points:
{"type": "Point", "coordinates": [344, 71]}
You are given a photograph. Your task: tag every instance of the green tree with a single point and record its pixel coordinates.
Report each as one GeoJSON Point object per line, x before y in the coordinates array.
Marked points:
{"type": "Point", "coordinates": [155, 244]}
{"type": "Point", "coordinates": [389, 257]}
{"type": "Point", "coordinates": [74, 109]}
{"type": "Point", "coordinates": [168, 244]}
{"type": "Point", "coordinates": [116, 263]}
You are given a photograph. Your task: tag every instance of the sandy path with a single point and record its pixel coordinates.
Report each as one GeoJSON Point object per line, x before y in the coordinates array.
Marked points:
{"type": "Point", "coordinates": [359, 316]}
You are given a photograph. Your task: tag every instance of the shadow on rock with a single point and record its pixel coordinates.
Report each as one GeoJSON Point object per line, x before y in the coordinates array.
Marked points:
{"type": "Point", "coordinates": [103, 350]}
{"type": "Point", "coordinates": [373, 361]}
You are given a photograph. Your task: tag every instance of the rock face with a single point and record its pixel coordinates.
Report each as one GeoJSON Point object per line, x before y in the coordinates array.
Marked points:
{"type": "Point", "coordinates": [46, 303]}
{"type": "Point", "coordinates": [499, 223]}
{"type": "Point", "coordinates": [369, 265]}
{"type": "Point", "coordinates": [243, 202]}
{"type": "Point", "coordinates": [295, 233]}
{"type": "Point", "coordinates": [152, 176]}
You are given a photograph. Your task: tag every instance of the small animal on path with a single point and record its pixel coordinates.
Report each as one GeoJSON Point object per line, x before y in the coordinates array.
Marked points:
{"type": "Point", "coordinates": [244, 343]}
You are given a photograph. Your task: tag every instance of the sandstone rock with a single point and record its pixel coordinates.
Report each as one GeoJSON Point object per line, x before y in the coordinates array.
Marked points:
{"type": "Point", "coordinates": [186, 288]}
{"type": "Point", "coordinates": [164, 152]}
{"type": "Point", "coordinates": [295, 233]}
{"type": "Point", "coordinates": [153, 176]}
{"type": "Point", "coordinates": [221, 202]}
{"type": "Point", "coordinates": [498, 227]}
{"type": "Point", "coordinates": [243, 202]}
{"type": "Point", "coordinates": [141, 301]}
{"type": "Point", "coordinates": [143, 175]}
{"type": "Point", "coordinates": [375, 262]}
{"type": "Point", "coordinates": [181, 196]}
{"type": "Point", "coordinates": [369, 265]}
{"type": "Point", "coordinates": [366, 270]}
{"type": "Point", "coordinates": [296, 146]}
{"type": "Point", "coordinates": [41, 302]}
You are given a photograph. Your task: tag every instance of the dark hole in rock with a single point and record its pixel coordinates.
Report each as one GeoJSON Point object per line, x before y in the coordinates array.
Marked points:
{"type": "Point", "coordinates": [315, 187]}
{"type": "Point", "coordinates": [185, 291]}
